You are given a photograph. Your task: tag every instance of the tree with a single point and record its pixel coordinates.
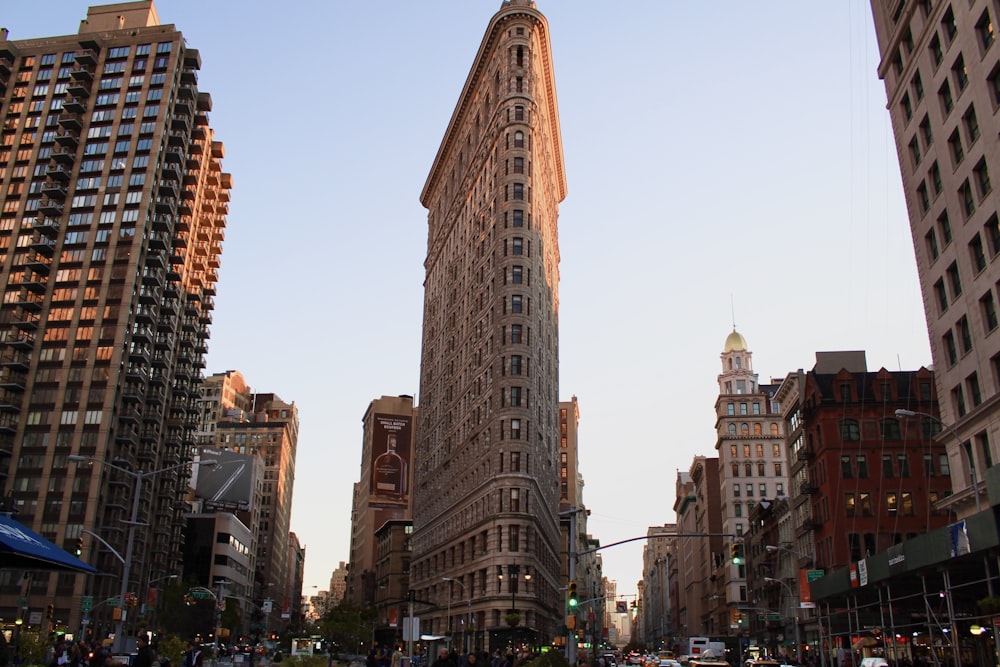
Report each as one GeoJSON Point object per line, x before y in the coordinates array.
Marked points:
{"type": "Point", "coordinates": [349, 626]}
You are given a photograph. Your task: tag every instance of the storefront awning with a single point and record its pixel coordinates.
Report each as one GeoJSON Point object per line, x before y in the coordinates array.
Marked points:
{"type": "Point", "coordinates": [24, 549]}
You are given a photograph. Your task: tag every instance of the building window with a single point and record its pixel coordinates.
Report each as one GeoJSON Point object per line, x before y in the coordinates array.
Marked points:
{"type": "Point", "coordinates": [984, 28]}
{"type": "Point", "coordinates": [950, 348]}
{"type": "Point", "coordinates": [865, 500]}
{"type": "Point", "coordinates": [915, 152]}
{"type": "Point", "coordinates": [743, 408]}
{"type": "Point", "coordinates": [955, 147]}
{"type": "Point", "coordinates": [515, 333]}
{"type": "Point", "coordinates": [960, 73]}
{"type": "Point", "coordinates": [736, 470]}
{"type": "Point", "coordinates": [887, 466]}
{"type": "Point", "coordinates": [846, 472]}
{"type": "Point", "coordinates": [515, 303]}
{"type": "Point", "coordinates": [515, 364]}
{"type": "Point", "coordinates": [989, 310]}
{"type": "Point", "coordinates": [992, 229]}
{"type": "Point", "coordinates": [519, 139]}
{"type": "Point", "coordinates": [971, 125]}
{"type": "Point", "coordinates": [515, 397]}
{"type": "Point", "coordinates": [930, 240]}
{"type": "Point", "coordinates": [850, 431]}
{"type": "Point", "coordinates": [918, 86]}
{"type": "Point", "coordinates": [982, 175]}
{"type": "Point", "coordinates": [850, 504]}
{"type": "Point", "coordinates": [518, 245]}
{"type": "Point", "coordinates": [975, 394]}
{"type": "Point", "coordinates": [923, 197]}
{"type": "Point", "coordinates": [965, 335]}
{"type": "Point", "coordinates": [935, 175]}
{"type": "Point", "coordinates": [748, 469]}
{"type": "Point", "coordinates": [949, 25]}
{"type": "Point", "coordinates": [749, 490]}
{"type": "Point", "coordinates": [777, 470]}
{"type": "Point", "coordinates": [937, 53]}
{"type": "Point", "coordinates": [518, 218]}
{"type": "Point", "coordinates": [907, 106]}
{"type": "Point", "coordinates": [966, 198]}
{"type": "Point", "coordinates": [890, 429]}
{"type": "Point", "coordinates": [891, 502]}
{"type": "Point", "coordinates": [944, 226]}
{"type": "Point", "coordinates": [977, 253]}
{"type": "Point", "coordinates": [861, 460]}
{"type": "Point", "coordinates": [737, 491]}
{"type": "Point", "coordinates": [947, 101]}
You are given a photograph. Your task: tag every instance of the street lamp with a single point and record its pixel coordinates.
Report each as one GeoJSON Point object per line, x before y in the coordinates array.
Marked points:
{"type": "Point", "coordinates": [791, 596]}
{"type": "Point", "coordinates": [961, 445]}
{"type": "Point", "coordinates": [138, 476]}
{"type": "Point", "coordinates": [468, 609]}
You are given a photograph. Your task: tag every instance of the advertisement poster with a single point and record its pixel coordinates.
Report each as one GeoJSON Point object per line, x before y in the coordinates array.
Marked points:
{"type": "Point", "coordinates": [391, 457]}
{"type": "Point", "coordinates": [229, 484]}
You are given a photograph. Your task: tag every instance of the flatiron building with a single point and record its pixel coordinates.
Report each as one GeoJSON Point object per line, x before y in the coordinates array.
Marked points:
{"type": "Point", "coordinates": [486, 480]}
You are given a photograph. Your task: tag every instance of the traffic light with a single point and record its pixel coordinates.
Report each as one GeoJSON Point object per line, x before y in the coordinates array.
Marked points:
{"type": "Point", "coordinates": [737, 553]}
{"type": "Point", "coordinates": [50, 612]}
{"type": "Point", "coordinates": [79, 546]}
{"type": "Point", "coordinates": [574, 598]}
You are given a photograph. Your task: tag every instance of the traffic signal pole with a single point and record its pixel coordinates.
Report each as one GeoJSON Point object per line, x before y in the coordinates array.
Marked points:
{"type": "Point", "coordinates": [571, 632]}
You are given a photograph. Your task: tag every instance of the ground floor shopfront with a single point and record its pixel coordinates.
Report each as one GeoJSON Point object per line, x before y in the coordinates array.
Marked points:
{"type": "Point", "coordinates": [931, 600]}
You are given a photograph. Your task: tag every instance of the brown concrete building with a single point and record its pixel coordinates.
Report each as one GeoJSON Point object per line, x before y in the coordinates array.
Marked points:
{"type": "Point", "coordinates": [486, 487]}
{"type": "Point", "coordinates": [941, 69]}
{"type": "Point", "coordinates": [385, 491]}
{"type": "Point", "coordinates": [699, 607]}
{"type": "Point", "coordinates": [863, 480]}
{"type": "Point", "coordinates": [113, 214]}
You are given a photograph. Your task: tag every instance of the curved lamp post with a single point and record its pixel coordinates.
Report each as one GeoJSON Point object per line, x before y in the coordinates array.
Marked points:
{"type": "Point", "coordinates": [792, 597]}
{"type": "Point", "coordinates": [468, 609]}
{"type": "Point", "coordinates": [138, 476]}
{"type": "Point", "coordinates": [961, 446]}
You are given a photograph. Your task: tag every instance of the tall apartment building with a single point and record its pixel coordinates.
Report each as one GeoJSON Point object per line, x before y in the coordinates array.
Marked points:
{"type": "Point", "coordinates": [941, 69]}
{"type": "Point", "coordinates": [486, 485]}
{"type": "Point", "coordinates": [236, 419]}
{"type": "Point", "coordinates": [657, 565]}
{"type": "Point", "coordinates": [751, 450]}
{"type": "Point", "coordinates": [113, 214]}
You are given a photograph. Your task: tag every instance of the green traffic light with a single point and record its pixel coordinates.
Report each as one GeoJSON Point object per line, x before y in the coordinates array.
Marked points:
{"type": "Point", "coordinates": [573, 602]}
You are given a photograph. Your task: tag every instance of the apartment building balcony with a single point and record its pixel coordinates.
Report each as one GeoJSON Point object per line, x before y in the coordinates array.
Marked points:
{"type": "Point", "coordinates": [133, 392]}
{"type": "Point", "coordinates": [79, 88]}
{"type": "Point", "coordinates": [180, 123]}
{"type": "Point", "coordinates": [165, 205]}
{"type": "Point", "coordinates": [143, 334]}
{"type": "Point", "coordinates": [44, 246]}
{"type": "Point", "coordinates": [67, 139]}
{"type": "Point", "coordinates": [39, 264]}
{"type": "Point", "coordinates": [137, 373]}
{"type": "Point", "coordinates": [86, 57]}
{"type": "Point", "coordinates": [158, 378]}
{"type": "Point", "coordinates": [14, 359]}
{"type": "Point", "coordinates": [63, 155]}
{"type": "Point", "coordinates": [162, 223]}
{"type": "Point", "coordinates": [19, 340]}
{"type": "Point", "coordinates": [8, 423]}
{"type": "Point", "coordinates": [55, 190]}
{"type": "Point", "coordinates": [139, 355]}
{"type": "Point", "coordinates": [10, 401]}
{"type": "Point", "coordinates": [12, 379]}
{"type": "Point", "coordinates": [52, 208]}
{"type": "Point", "coordinates": [75, 105]}
{"type": "Point", "coordinates": [28, 321]}
{"type": "Point", "coordinates": [154, 260]}
{"type": "Point", "coordinates": [82, 74]}
{"type": "Point", "coordinates": [58, 172]}
{"type": "Point", "coordinates": [71, 121]}
{"type": "Point", "coordinates": [808, 488]}
{"type": "Point", "coordinates": [30, 301]}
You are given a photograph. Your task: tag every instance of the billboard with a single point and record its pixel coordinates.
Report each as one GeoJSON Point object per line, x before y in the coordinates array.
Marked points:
{"type": "Point", "coordinates": [229, 484]}
{"type": "Point", "coordinates": [391, 458]}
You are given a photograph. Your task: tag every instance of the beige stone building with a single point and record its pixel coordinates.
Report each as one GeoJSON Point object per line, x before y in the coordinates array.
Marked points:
{"type": "Point", "coordinates": [113, 212]}
{"type": "Point", "coordinates": [941, 68]}
{"type": "Point", "coordinates": [487, 487]}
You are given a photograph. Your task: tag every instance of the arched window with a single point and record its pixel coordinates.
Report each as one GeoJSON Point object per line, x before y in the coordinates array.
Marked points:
{"type": "Point", "coordinates": [744, 429]}
{"type": "Point", "coordinates": [774, 429]}
{"type": "Point", "coordinates": [748, 469]}
{"type": "Point", "coordinates": [732, 429]}
{"type": "Point", "coordinates": [758, 429]}
{"type": "Point", "coordinates": [519, 139]}
{"type": "Point", "coordinates": [520, 56]}
{"type": "Point", "coordinates": [739, 362]}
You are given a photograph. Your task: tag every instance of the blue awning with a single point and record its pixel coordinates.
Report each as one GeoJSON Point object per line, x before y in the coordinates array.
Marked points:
{"type": "Point", "coordinates": [24, 549]}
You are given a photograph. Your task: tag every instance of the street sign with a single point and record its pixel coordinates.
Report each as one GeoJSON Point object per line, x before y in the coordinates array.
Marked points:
{"type": "Point", "coordinates": [112, 602]}
{"type": "Point", "coordinates": [201, 595]}
{"type": "Point", "coordinates": [35, 618]}
{"type": "Point", "coordinates": [813, 575]}
{"type": "Point", "coordinates": [88, 603]}
{"type": "Point", "coordinates": [774, 617]}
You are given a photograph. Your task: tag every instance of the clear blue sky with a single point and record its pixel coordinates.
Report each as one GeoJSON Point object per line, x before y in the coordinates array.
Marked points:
{"type": "Point", "coordinates": [721, 158]}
